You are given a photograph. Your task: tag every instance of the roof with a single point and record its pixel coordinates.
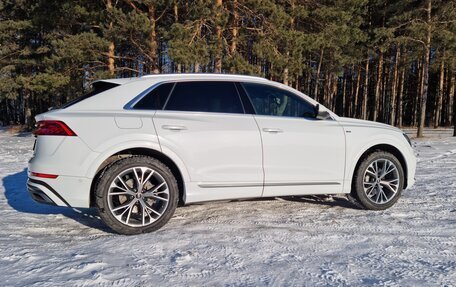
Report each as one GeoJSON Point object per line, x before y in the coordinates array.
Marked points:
{"type": "Point", "coordinates": [182, 76]}
{"type": "Point", "coordinates": [204, 76]}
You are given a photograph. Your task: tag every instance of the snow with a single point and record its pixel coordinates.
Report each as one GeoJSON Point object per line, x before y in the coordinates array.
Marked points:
{"type": "Point", "coordinates": [265, 242]}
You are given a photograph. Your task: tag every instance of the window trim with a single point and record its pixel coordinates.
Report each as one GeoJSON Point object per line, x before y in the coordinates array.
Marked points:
{"type": "Point", "coordinates": [237, 84]}
{"type": "Point", "coordinates": [131, 104]}
{"type": "Point", "coordinates": [272, 86]}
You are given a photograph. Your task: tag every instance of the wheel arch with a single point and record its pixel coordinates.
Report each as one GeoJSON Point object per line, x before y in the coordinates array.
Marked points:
{"type": "Point", "coordinates": [165, 159]}
{"type": "Point", "coordinates": [386, 148]}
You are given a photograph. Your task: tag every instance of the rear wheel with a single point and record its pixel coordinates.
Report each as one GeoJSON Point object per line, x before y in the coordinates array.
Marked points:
{"type": "Point", "coordinates": [379, 181]}
{"type": "Point", "coordinates": [137, 194]}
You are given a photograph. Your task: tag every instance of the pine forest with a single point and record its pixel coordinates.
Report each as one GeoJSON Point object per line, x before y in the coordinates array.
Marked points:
{"type": "Point", "coordinates": [387, 61]}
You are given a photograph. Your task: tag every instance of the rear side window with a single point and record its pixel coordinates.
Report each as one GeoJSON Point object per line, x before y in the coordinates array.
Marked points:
{"type": "Point", "coordinates": [155, 99]}
{"type": "Point", "coordinates": [209, 96]}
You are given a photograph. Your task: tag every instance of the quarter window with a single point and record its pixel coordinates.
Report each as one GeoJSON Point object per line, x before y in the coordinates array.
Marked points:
{"type": "Point", "coordinates": [208, 96]}
{"type": "Point", "coordinates": [155, 99]}
{"type": "Point", "coordinates": [272, 101]}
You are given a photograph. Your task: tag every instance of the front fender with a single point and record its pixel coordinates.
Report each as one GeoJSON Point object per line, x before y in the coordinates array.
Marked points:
{"type": "Point", "coordinates": [359, 142]}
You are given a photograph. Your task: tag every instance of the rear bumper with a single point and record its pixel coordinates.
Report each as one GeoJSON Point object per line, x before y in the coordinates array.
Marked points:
{"type": "Point", "coordinates": [62, 191]}
{"type": "Point", "coordinates": [37, 194]}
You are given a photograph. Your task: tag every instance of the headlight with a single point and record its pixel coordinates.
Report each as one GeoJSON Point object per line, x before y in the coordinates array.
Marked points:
{"type": "Point", "coordinates": [408, 139]}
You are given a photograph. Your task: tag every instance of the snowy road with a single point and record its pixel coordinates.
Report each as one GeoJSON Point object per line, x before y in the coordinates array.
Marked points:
{"type": "Point", "coordinates": [250, 243]}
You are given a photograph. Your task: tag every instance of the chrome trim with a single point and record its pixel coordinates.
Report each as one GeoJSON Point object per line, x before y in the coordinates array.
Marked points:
{"type": "Point", "coordinates": [221, 185]}
{"type": "Point", "coordinates": [300, 183]}
{"type": "Point", "coordinates": [218, 185]}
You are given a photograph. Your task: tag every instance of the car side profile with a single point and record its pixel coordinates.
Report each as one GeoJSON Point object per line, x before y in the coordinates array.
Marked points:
{"type": "Point", "coordinates": [136, 148]}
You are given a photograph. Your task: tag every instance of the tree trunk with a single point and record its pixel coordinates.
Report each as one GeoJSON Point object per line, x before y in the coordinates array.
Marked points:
{"type": "Point", "coordinates": [176, 12]}
{"type": "Point", "coordinates": [355, 102]}
{"type": "Point", "coordinates": [378, 85]}
{"type": "Point", "coordinates": [344, 90]}
{"type": "Point", "coordinates": [366, 89]}
{"type": "Point", "coordinates": [394, 87]}
{"type": "Point", "coordinates": [384, 108]}
{"type": "Point", "coordinates": [333, 93]}
{"type": "Point", "coordinates": [445, 95]}
{"type": "Point", "coordinates": [234, 30]}
{"type": "Point", "coordinates": [111, 46]}
{"type": "Point", "coordinates": [438, 103]}
{"type": "Point", "coordinates": [317, 77]}
{"type": "Point", "coordinates": [27, 99]}
{"type": "Point", "coordinates": [153, 44]}
{"type": "Point", "coordinates": [354, 84]}
{"type": "Point", "coordinates": [326, 89]}
{"type": "Point", "coordinates": [427, 57]}
{"type": "Point", "coordinates": [451, 96]}
{"type": "Point", "coordinates": [419, 92]}
{"type": "Point", "coordinates": [285, 76]}
{"type": "Point", "coordinates": [218, 33]}
{"type": "Point", "coordinates": [400, 97]}
{"type": "Point", "coordinates": [286, 70]}
{"type": "Point", "coordinates": [176, 20]}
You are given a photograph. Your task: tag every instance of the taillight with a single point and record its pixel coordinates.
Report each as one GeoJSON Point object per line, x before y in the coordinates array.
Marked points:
{"type": "Point", "coordinates": [44, 175]}
{"type": "Point", "coordinates": [53, 128]}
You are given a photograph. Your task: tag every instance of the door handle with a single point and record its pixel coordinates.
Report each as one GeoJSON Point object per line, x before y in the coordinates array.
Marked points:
{"type": "Point", "coordinates": [272, 130]}
{"type": "Point", "coordinates": [173, 128]}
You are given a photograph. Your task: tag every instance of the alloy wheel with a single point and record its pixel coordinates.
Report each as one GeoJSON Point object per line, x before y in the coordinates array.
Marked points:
{"type": "Point", "coordinates": [138, 196]}
{"type": "Point", "coordinates": [381, 181]}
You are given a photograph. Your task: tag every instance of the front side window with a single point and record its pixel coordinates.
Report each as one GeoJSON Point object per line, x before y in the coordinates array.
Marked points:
{"type": "Point", "coordinates": [205, 96]}
{"type": "Point", "coordinates": [272, 101]}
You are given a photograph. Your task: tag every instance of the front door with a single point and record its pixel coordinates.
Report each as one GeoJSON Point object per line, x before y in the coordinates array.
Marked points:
{"type": "Point", "coordinates": [302, 155]}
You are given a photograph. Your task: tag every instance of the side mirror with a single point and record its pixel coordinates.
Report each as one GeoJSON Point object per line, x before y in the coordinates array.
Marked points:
{"type": "Point", "coordinates": [321, 114]}
{"type": "Point", "coordinates": [316, 110]}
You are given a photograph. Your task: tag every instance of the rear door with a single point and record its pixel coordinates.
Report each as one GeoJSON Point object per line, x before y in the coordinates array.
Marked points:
{"type": "Point", "coordinates": [204, 123]}
{"type": "Point", "coordinates": [302, 155]}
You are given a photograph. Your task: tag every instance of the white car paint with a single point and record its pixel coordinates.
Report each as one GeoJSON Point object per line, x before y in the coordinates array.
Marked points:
{"type": "Point", "coordinates": [219, 156]}
{"type": "Point", "coordinates": [290, 169]}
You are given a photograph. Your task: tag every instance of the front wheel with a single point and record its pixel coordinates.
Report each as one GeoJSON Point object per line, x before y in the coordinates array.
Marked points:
{"type": "Point", "coordinates": [137, 194]}
{"type": "Point", "coordinates": [378, 181]}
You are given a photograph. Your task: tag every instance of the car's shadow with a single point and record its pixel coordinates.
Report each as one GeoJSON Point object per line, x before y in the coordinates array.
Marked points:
{"type": "Point", "coordinates": [331, 201]}
{"type": "Point", "coordinates": [19, 199]}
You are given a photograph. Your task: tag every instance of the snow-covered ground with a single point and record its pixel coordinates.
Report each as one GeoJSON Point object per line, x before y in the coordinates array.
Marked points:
{"type": "Point", "coordinates": [273, 242]}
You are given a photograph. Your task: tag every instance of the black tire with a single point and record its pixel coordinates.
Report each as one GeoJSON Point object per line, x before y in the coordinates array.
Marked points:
{"type": "Point", "coordinates": [358, 190]}
{"type": "Point", "coordinates": [111, 172]}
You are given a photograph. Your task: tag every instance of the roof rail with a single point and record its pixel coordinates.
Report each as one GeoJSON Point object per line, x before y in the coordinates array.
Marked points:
{"type": "Point", "coordinates": [183, 75]}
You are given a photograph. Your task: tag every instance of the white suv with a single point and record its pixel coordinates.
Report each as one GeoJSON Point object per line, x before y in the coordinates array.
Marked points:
{"type": "Point", "coordinates": [135, 148]}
